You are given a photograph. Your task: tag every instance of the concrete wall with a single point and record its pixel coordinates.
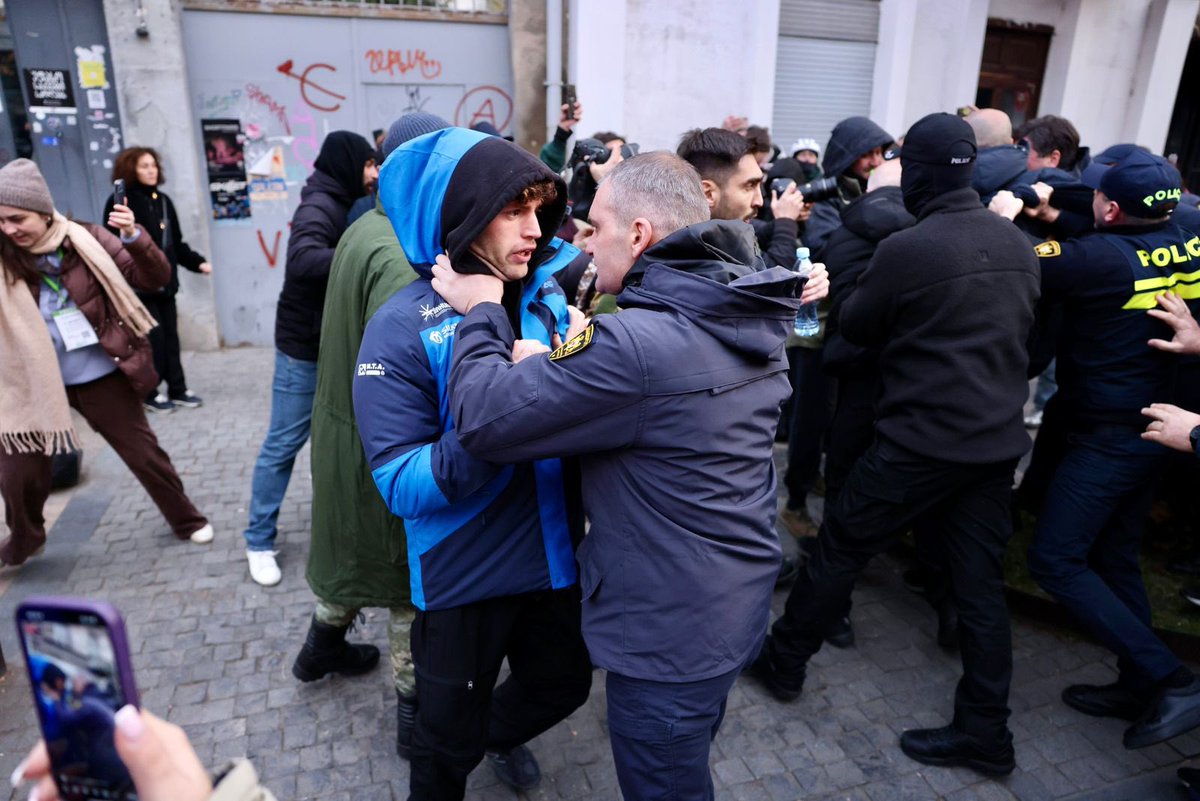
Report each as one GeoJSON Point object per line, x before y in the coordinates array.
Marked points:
{"type": "Point", "coordinates": [152, 88]}
{"type": "Point", "coordinates": [291, 80]}
{"type": "Point", "coordinates": [927, 59]}
{"type": "Point", "coordinates": [651, 69]}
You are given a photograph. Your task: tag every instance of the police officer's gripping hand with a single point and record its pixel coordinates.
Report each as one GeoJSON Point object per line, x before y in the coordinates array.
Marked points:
{"type": "Point", "coordinates": [524, 348]}
{"type": "Point", "coordinates": [1006, 204]}
{"type": "Point", "coordinates": [817, 285]}
{"type": "Point", "coordinates": [1043, 211]}
{"type": "Point", "coordinates": [1175, 313]}
{"type": "Point", "coordinates": [1170, 426]}
{"type": "Point", "coordinates": [463, 292]}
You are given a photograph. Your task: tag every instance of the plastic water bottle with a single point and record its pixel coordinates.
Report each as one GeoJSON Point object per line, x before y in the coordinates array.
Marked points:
{"type": "Point", "coordinates": [807, 324]}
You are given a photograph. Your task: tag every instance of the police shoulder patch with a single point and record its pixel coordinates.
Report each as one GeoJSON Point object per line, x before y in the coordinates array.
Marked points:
{"type": "Point", "coordinates": [1047, 249]}
{"type": "Point", "coordinates": [573, 345]}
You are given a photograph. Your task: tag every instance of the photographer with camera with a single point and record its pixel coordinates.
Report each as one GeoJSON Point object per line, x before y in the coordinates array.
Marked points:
{"type": "Point", "coordinates": [554, 153]}
{"type": "Point", "coordinates": [855, 148]}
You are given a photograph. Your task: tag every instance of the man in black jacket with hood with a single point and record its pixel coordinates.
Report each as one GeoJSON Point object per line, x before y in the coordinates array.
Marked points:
{"type": "Point", "coordinates": [948, 436]}
{"type": "Point", "coordinates": [855, 148]}
{"type": "Point", "coordinates": [344, 171]}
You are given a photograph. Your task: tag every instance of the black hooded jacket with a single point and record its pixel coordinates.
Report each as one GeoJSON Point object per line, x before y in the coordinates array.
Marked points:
{"type": "Point", "coordinates": [949, 303]}
{"type": "Point", "coordinates": [851, 138]}
{"type": "Point", "coordinates": [317, 225]}
{"type": "Point", "coordinates": [865, 223]}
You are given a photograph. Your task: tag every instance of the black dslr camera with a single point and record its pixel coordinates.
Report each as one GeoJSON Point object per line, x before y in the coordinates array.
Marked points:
{"type": "Point", "coordinates": [817, 190]}
{"type": "Point", "coordinates": [593, 151]}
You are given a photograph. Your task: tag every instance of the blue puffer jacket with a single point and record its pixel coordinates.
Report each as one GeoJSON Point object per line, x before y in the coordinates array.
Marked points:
{"type": "Point", "coordinates": [476, 530]}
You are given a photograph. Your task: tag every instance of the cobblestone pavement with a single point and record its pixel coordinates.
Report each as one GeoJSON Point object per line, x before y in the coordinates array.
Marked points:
{"type": "Point", "coordinates": [213, 651]}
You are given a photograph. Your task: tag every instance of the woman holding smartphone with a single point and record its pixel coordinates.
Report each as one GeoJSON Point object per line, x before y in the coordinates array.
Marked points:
{"type": "Point", "coordinates": [73, 334]}
{"type": "Point", "coordinates": [141, 171]}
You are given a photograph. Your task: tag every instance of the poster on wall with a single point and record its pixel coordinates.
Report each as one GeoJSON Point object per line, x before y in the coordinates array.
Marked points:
{"type": "Point", "coordinates": [50, 91]}
{"type": "Point", "coordinates": [226, 169]}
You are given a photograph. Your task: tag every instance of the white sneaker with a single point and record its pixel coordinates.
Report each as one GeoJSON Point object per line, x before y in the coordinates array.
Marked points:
{"type": "Point", "coordinates": [263, 568]}
{"type": "Point", "coordinates": [202, 536]}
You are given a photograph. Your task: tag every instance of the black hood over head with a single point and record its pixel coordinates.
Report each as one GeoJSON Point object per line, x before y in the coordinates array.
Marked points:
{"type": "Point", "coordinates": [343, 156]}
{"type": "Point", "coordinates": [938, 157]}
{"type": "Point", "coordinates": [851, 138]}
{"type": "Point", "coordinates": [486, 179]}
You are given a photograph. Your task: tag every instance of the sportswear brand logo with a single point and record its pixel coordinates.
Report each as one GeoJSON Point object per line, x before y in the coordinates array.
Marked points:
{"type": "Point", "coordinates": [370, 368]}
{"type": "Point", "coordinates": [429, 312]}
{"type": "Point", "coordinates": [440, 335]}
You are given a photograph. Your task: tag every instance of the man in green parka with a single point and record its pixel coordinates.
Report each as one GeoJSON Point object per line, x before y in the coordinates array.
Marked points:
{"type": "Point", "coordinates": [359, 556]}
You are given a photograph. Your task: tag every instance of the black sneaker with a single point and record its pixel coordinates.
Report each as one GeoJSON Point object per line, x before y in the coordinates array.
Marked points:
{"type": "Point", "coordinates": [188, 399]}
{"type": "Point", "coordinates": [159, 404]}
{"type": "Point", "coordinates": [516, 768]}
{"type": "Point", "coordinates": [1191, 594]}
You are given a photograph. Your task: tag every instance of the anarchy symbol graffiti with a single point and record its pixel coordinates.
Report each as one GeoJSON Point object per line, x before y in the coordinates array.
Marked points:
{"type": "Point", "coordinates": [307, 85]}
{"type": "Point", "coordinates": [484, 104]}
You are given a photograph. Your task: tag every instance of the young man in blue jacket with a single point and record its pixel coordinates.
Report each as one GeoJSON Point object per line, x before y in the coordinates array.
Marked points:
{"type": "Point", "coordinates": [490, 546]}
{"type": "Point", "coordinates": [672, 406]}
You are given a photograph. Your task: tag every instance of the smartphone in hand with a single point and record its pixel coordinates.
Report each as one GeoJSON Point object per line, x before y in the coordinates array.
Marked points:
{"type": "Point", "coordinates": [77, 657]}
{"type": "Point", "coordinates": [119, 196]}
{"type": "Point", "coordinates": [569, 99]}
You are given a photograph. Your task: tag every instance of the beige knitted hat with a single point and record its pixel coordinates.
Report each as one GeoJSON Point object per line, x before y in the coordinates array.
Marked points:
{"type": "Point", "coordinates": [22, 185]}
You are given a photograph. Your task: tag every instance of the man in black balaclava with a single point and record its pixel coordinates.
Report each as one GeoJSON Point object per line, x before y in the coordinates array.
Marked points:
{"type": "Point", "coordinates": [949, 433]}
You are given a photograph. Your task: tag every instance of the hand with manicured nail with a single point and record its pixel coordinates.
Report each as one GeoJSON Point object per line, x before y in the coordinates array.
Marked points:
{"type": "Point", "coordinates": [161, 761]}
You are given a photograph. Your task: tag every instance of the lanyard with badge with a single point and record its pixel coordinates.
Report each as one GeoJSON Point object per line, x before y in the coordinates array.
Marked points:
{"type": "Point", "coordinates": [73, 327]}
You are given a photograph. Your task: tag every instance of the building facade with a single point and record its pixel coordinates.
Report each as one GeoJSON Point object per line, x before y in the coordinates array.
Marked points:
{"type": "Point", "coordinates": [237, 95]}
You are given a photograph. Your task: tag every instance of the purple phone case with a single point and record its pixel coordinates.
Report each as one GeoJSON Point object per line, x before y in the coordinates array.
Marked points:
{"type": "Point", "coordinates": [52, 604]}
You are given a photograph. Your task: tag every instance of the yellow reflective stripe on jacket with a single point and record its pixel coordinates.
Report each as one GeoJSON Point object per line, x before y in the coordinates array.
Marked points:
{"type": "Point", "coordinates": [1185, 285]}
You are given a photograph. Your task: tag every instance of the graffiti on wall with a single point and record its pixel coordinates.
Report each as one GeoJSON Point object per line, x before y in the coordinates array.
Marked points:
{"type": "Point", "coordinates": [401, 62]}
{"type": "Point", "coordinates": [324, 95]}
{"type": "Point", "coordinates": [484, 104]}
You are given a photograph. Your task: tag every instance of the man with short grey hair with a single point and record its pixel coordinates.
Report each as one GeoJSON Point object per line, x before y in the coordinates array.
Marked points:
{"type": "Point", "coordinates": [681, 558]}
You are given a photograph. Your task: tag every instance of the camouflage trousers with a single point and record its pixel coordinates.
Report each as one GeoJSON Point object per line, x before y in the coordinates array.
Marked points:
{"type": "Point", "coordinates": [400, 619]}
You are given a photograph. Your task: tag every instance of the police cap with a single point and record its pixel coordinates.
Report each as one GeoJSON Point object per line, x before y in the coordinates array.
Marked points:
{"type": "Point", "coordinates": [1142, 184]}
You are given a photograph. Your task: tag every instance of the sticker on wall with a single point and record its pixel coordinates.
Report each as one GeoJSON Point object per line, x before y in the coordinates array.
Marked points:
{"type": "Point", "coordinates": [90, 62]}
{"type": "Point", "coordinates": [226, 169]}
{"type": "Point", "coordinates": [95, 98]}
{"type": "Point", "coordinates": [49, 92]}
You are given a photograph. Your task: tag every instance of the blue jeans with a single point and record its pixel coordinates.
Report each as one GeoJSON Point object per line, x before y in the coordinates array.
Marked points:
{"type": "Point", "coordinates": [661, 732]}
{"type": "Point", "coordinates": [1085, 546]}
{"type": "Point", "coordinates": [1046, 387]}
{"type": "Point", "coordinates": [291, 418]}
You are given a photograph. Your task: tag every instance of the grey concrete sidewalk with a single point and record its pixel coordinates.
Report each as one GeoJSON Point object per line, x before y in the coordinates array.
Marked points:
{"type": "Point", "coordinates": [213, 652]}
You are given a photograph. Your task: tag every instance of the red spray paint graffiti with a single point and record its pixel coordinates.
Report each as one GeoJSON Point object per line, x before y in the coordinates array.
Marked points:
{"type": "Point", "coordinates": [272, 253]}
{"type": "Point", "coordinates": [276, 108]}
{"type": "Point", "coordinates": [484, 103]}
{"type": "Point", "coordinates": [400, 62]}
{"type": "Point", "coordinates": [306, 84]}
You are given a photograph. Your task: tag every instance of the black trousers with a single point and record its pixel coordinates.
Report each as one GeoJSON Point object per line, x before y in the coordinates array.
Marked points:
{"type": "Point", "coordinates": [457, 654]}
{"type": "Point", "coordinates": [969, 505]}
{"type": "Point", "coordinates": [164, 339]}
{"type": "Point", "coordinates": [810, 407]}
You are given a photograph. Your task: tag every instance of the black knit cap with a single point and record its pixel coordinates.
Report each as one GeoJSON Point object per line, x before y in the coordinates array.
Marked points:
{"type": "Point", "coordinates": [939, 140]}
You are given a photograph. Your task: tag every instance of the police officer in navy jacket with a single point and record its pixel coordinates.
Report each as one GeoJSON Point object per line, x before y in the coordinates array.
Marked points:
{"type": "Point", "coordinates": [1085, 548]}
{"type": "Point", "coordinates": [671, 405]}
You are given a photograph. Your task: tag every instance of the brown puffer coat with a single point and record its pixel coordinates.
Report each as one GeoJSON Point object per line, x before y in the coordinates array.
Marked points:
{"type": "Point", "coordinates": [144, 267]}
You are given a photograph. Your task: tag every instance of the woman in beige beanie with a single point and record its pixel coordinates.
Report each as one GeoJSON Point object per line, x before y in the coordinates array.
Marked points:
{"type": "Point", "coordinates": [73, 334]}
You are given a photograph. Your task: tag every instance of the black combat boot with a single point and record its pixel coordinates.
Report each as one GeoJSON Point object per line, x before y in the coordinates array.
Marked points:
{"type": "Point", "coordinates": [406, 721]}
{"type": "Point", "coordinates": [326, 651]}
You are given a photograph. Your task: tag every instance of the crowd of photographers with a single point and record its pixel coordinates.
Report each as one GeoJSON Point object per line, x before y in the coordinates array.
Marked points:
{"type": "Point", "coordinates": [501, 348]}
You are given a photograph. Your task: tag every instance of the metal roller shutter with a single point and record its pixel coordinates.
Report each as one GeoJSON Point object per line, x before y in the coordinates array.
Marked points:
{"type": "Point", "coordinates": [824, 66]}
